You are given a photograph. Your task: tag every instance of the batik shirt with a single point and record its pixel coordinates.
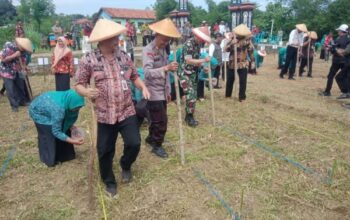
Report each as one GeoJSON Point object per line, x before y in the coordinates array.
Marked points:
{"type": "Point", "coordinates": [65, 65]}
{"type": "Point", "coordinates": [9, 69]}
{"type": "Point", "coordinates": [112, 78]}
{"type": "Point", "coordinates": [245, 48]}
{"type": "Point", "coordinates": [305, 48]}
{"type": "Point", "coordinates": [191, 49]}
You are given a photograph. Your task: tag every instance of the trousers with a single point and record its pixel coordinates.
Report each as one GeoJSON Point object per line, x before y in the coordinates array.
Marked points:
{"type": "Point", "coordinates": [106, 139]}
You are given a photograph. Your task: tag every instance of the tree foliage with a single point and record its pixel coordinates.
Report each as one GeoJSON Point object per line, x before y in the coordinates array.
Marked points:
{"type": "Point", "coordinates": [7, 12]}
{"type": "Point", "coordinates": [164, 7]}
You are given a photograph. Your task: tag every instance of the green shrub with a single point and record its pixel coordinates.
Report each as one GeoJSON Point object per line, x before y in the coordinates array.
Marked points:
{"type": "Point", "coordinates": [33, 35]}
{"type": "Point", "coordinates": [6, 34]}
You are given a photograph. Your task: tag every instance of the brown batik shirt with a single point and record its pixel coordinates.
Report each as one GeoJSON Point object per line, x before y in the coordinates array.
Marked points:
{"type": "Point", "coordinates": [245, 48]}
{"type": "Point", "coordinates": [112, 78]}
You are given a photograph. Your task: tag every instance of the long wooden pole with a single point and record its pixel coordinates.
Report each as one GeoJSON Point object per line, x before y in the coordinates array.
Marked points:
{"type": "Point", "coordinates": [179, 111]}
{"type": "Point", "coordinates": [92, 150]}
{"type": "Point", "coordinates": [297, 66]}
{"type": "Point", "coordinates": [308, 57]}
{"type": "Point", "coordinates": [211, 93]}
{"type": "Point", "coordinates": [236, 67]}
{"type": "Point", "coordinates": [225, 72]}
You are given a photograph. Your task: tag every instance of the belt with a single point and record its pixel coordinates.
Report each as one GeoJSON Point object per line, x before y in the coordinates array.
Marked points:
{"type": "Point", "coordinates": [295, 46]}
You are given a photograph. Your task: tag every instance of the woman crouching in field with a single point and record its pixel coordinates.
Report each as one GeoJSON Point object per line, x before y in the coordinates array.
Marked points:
{"type": "Point", "coordinates": [54, 114]}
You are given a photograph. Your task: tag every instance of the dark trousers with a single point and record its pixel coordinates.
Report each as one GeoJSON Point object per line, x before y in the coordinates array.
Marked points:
{"type": "Point", "coordinates": [146, 40]}
{"type": "Point", "coordinates": [343, 79]}
{"type": "Point", "coordinates": [332, 72]}
{"type": "Point", "coordinates": [51, 149]}
{"type": "Point", "coordinates": [14, 88]}
{"type": "Point", "coordinates": [106, 139]}
{"type": "Point", "coordinates": [3, 89]}
{"type": "Point", "coordinates": [173, 91]}
{"type": "Point", "coordinates": [291, 61]}
{"type": "Point", "coordinates": [303, 64]}
{"type": "Point", "coordinates": [243, 75]}
{"type": "Point", "coordinates": [217, 73]}
{"type": "Point", "coordinates": [200, 89]}
{"type": "Point", "coordinates": [76, 43]}
{"type": "Point", "coordinates": [158, 121]}
{"type": "Point", "coordinates": [62, 81]}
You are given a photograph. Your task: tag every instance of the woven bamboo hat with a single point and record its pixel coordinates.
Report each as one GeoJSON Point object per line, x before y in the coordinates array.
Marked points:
{"type": "Point", "coordinates": [301, 27]}
{"type": "Point", "coordinates": [105, 29]}
{"type": "Point", "coordinates": [25, 43]}
{"type": "Point", "coordinates": [313, 35]}
{"type": "Point", "coordinates": [242, 30]}
{"type": "Point", "coordinates": [165, 27]}
{"type": "Point", "coordinates": [203, 33]}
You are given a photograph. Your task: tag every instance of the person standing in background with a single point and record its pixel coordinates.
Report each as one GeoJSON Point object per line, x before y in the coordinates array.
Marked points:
{"type": "Point", "coordinates": [62, 65]}
{"type": "Point", "coordinates": [295, 42]}
{"type": "Point", "coordinates": [19, 29]}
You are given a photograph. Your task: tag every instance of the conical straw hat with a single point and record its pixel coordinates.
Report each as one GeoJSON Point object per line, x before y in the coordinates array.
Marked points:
{"type": "Point", "coordinates": [242, 30]}
{"type": "Point", "coordinates": [105, 29]}
{"type": "Point", "coordinates": [313, 35]}
{"type": "Point", "coordinates": [301, 27]}
{"type": "Point", "coordinates": [165, 27]}
{"type": "Point", "coordinates": [25, 43]}
{"type": "Point", "coordinates": [202, 33]}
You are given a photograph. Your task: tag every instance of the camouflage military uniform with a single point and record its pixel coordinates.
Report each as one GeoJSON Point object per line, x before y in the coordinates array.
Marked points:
{"type": "Point", "coordinates": [189, 74]}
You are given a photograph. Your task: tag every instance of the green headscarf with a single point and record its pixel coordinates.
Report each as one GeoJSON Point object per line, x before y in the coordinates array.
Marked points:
{"type": "Point", "coordinates": [69, 100]}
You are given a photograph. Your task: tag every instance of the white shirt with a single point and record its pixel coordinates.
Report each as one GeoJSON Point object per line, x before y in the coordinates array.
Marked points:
{"type": "Point", "coordinates": [211, 50]}
{"type": "Point", "coordinates": [222, 29]}
{"type": "Point", "coordinates": [295, 38]}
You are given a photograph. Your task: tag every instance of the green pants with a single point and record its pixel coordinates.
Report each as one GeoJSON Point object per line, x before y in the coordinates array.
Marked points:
{"type": "Point", "coordinates": [189, 86]}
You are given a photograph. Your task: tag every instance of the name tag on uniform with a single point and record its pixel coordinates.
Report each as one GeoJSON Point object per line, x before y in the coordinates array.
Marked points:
{"type": "Point", "coordinates": [124, 85]}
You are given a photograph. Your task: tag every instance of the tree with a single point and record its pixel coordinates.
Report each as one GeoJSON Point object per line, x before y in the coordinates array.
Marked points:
{"type": "Point", "coordinates": [164, 7]}
{"type": "Point", "coordinates": [41, 9]}
{"type": "Point", "coordinates": [7, 12]}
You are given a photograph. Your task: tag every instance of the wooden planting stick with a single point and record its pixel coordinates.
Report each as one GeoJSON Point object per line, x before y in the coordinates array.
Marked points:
{"type": "Point", "coordinates": [211, 93]}
{"type": "Point", "coordinates": [179, 113]}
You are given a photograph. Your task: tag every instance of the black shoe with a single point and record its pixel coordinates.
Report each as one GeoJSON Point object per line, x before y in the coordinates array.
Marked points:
{"type": "Point", "coordinates": [291, 78]}
{"type": "Point", "coordinates": [148, 141]}
{"type": "Point", "coordinates": [25, 104]}
{"type": "Point", "coordinates": [347, 106]}
{"type": "Point", "coordinates": [111, 190]}
{"type": "Point", "coordinates": [217, 87]}
{"type": "Point", "coordinates": [324, 94]}
{"type": "Point", "coordinates": [281, 76]}
{"type": "Point", "coordinates": [344, 96]}
{"type": "Point", "coordinates": [190, 121]}
{"type": "Point", "coordinates": [310, 76]}
{"type": "Point", "coordinates": [126, 176]}
{"type": "Point", "coordinates": [160, 152]}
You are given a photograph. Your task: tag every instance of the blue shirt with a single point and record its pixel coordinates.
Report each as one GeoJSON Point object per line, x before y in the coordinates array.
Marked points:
{"type": "Point", "coordinates": [43, 110]}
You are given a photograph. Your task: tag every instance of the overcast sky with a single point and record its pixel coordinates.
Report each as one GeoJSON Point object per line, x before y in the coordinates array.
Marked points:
{"type": "Point", "coordinates": [88, 7]}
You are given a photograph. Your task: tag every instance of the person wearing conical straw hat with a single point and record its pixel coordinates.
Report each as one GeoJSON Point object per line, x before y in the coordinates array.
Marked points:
{"type": "Point", "coordinates": [111, 71]}
{"type": "Point", "coordinates": [190, 66]}
{"type": "Point", "coordinates": [338, 60]}
{"type": "Point", "coordinates": [245, 48]}
{"type": "Point", "coordinates": [295, 42]}
{"type": "Point", "coordinates": [156, 69]}
{"type": "Point", "coordinates": [13, 58]}
{"type": "Point", "coordinates": [307, 53]}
